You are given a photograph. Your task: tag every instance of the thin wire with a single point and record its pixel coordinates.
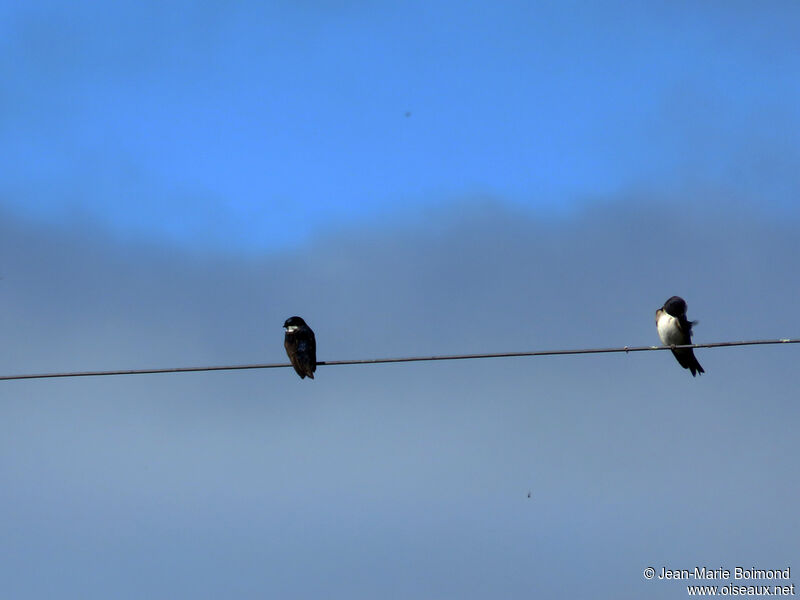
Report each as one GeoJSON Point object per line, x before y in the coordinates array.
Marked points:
{"type": "Point", "coordinates": [372, 361]}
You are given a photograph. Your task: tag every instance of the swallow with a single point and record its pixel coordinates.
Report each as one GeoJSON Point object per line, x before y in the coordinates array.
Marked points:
{"type": "Point", "coordinates": [301, 346]}
{"type": "Point", "coordinates": [674, 329]}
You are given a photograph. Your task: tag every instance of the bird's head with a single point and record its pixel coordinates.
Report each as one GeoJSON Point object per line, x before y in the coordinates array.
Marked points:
{"type": "Point", "coordinates": [293, 324]}
{"type": "Point", "coordinates": [675, 306]}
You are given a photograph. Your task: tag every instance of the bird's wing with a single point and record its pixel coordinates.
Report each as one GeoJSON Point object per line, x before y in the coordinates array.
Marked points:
{"type": "Point", "coordinates": [685, 327]}
{"type": "Point", "coordinates": [307, 344]}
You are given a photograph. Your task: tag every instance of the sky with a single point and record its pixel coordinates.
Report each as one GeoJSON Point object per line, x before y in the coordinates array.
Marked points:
{"type": "Point", "coordinates": [257, 126]}
{"type": "Point", "coordinates": [415, 178]}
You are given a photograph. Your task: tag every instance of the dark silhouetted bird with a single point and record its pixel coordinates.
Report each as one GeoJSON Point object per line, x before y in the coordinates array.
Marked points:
{"type": "Point", "coordinates": [301, 346]}
{"type": "Point", "coordinates": [675, 330]}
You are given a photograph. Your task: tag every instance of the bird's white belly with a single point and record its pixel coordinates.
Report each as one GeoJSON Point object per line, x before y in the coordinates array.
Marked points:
{"type": "Point", "coordinates": [668, 330]}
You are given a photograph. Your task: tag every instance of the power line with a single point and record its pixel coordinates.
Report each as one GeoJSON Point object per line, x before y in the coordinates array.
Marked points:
{"type": "Point", "coordinates": [369, 361]}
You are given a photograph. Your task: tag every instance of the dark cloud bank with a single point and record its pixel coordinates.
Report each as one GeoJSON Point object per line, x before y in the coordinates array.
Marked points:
{"type": "Point", "coordinates": [401, 480]}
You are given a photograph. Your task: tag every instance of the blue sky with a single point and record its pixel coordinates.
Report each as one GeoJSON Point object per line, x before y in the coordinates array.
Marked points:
{"type": "Point", "coordinates": [257, 125]}
{"type": "Point", "coordinates": [406, 480]}
{"type": "Point", "coordinates": [176, 179]}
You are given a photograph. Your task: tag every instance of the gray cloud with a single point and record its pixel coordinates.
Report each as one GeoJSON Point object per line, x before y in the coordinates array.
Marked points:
{"type": "Point", "coordinates": [400, 480]}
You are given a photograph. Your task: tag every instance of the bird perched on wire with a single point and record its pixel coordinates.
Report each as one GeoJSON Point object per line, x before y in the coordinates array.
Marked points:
{"type": "Point", "coordinates": [674, 329]}
{"type": "Point", "coordinates": [301, 346]}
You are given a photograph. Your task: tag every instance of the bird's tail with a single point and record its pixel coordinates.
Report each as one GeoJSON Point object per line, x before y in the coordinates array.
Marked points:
{"type": "Point", "coordinates": [687, 360]}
